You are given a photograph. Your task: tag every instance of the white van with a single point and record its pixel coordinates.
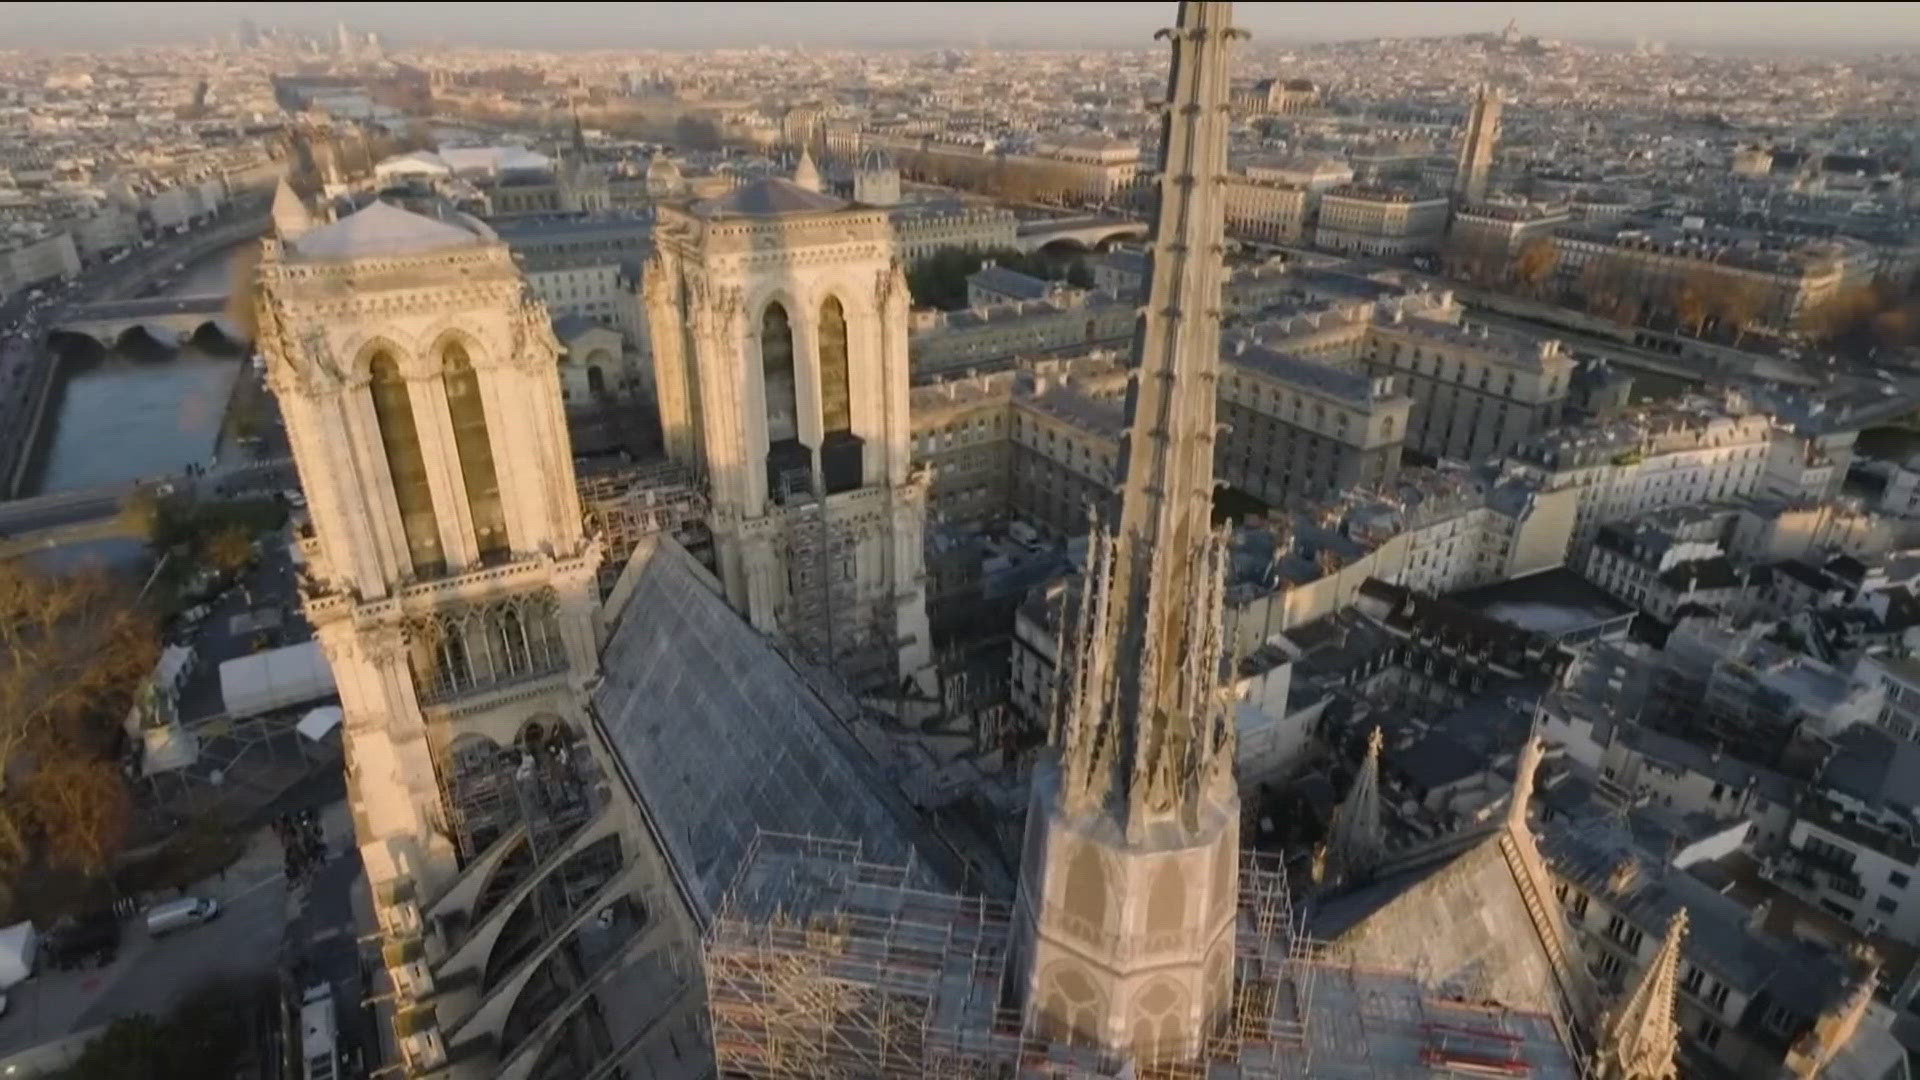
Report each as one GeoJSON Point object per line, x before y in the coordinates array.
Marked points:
{"type": "Point", "coordinates": [180, 914]}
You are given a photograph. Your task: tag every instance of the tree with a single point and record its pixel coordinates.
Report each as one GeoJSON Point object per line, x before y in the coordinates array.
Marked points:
{"type": "Point", "coordinates": [1535, 264]}
{"type": "Point", "coordinates": [80, 808]}
{"type": "Point", "coordinates": [229, 550]}
{"type": "Point", "coordinates": [1690, 307]}
{"type": "Point", "coordinates": [73, 649]}
{"type": "Point", "coordinates": [212, 1031]}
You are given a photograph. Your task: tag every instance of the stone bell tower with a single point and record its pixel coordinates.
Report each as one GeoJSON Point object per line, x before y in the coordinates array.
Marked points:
{"type": "Point", "coordinates": [451, 586]}
{"type": "Point", "coordinates": [1130, 879]}
{"type": "Point", "coordinates": [779, 320]}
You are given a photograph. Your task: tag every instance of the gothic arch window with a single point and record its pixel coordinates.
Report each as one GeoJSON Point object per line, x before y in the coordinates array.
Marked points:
{"type": "Point", "coordinates": [470, 440]}
{"type": "Point", "coordinates": [836, 393]}
{"type": "Point", "coordinates": [462, 651]}
{"type": "Point", "coordinates": [400, 438]}
{"type": "Point", "coordinates": [776, 371]}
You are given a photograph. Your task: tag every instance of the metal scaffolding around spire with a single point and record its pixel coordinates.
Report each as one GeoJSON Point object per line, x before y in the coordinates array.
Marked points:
{"type": "Point", "coordinates": [1148, 729]}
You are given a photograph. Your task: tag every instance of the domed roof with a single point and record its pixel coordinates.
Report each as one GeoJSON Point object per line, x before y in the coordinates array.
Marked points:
{"type": "Point", "coordinates": [874, 159]}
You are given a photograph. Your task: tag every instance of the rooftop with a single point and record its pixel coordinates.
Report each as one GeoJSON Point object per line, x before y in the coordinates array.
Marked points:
{"type": "Point", "coordinates": [771, 196]}
{"type": "Point", "coordinates": [381, 229]}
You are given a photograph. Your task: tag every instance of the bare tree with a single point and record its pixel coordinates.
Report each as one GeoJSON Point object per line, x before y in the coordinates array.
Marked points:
{"type": "Point", "coordinates": [1535, 264]}
{"type": "Point", "coordinates": [72, 651]}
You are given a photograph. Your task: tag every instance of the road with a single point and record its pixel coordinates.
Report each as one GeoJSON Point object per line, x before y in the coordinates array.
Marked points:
{"type": "Point", "coordinates": [323, 939]}
{"type": "Point", "coordinates": [150, 975]}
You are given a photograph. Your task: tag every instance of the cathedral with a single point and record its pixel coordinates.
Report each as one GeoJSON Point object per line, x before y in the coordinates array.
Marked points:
{"type": "Point", "coordinates": [617, 821]}
{"type": "Point", "coordinates": [779, 320]}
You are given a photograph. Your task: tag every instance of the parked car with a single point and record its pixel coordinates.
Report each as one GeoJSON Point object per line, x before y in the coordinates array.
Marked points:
{"type": "Point", "coordinates": [78, 939]}
{"type": "Point", "coordinates": [179, 914]}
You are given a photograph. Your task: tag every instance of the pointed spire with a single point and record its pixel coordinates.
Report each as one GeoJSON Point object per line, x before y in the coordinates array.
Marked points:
{"type": "Point", "coordinates": [1355, 842]}
{"type": "Point", "coordinates": [1149, 694]}
{"type": "Point", "coordinates": [290, 216]}
{"type": "Point", "coordinates": [1524, 770]}
{"type": "Point", "coordinates": [1640, 1036]}
{"type": "Point", "coordinates": [804, 173]}
{"type": "Point", "coordinates": [579, 136]}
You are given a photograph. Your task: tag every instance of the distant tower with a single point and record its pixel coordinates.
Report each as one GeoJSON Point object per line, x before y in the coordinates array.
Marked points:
{"type": "Point", "coordinates": [343, 38]}
{"type": "Point", "coordinates": [1476, 148]}
{"type": "Point", "coordinates": [779, 324]}
{"type": "Point", "coordinates": [1130, 879]}
{"type": "Point", "coordinates": [875, 180]}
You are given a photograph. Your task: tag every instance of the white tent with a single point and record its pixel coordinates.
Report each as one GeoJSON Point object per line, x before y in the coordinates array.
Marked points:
{"type": "Point", "coordinates": [18, 946]}
{"type": "Point", "coordinates": [275, 679]}
{"type": "Point", "coordinates": [175, 660]}
{"type": "Point", "coordinates": [317, 723]}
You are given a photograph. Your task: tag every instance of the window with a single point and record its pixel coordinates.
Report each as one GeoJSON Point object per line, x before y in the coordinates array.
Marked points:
{"type": "Point", "coordinates": [1709, 1034]}
{"type": "Point", "coordinates": [1693, 980]}
{"type": "Point", "coordinates": [1717, 995]}
{"type": "Point", "coordinates": [1780, 1021]}
{"type": "Point", "coordinates": [1627, 935]}
{"type": "Point", "coordinates": [1886, 905]}
{"type": "Point", "coordinates": [776, 372]}
{"type": "Point", "coordinates": [470, 441]}
{"type": "Point", "coordinates": [1897, 878]}
{"type": "Point", "coordinates": [400, 438]}
{"type": "Point", "coordinates": [836, 395]}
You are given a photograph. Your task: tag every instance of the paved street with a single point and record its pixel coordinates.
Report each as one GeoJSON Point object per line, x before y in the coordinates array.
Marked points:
{"type": "Point", "coordinates": [322, 941]}
{"type": "Point", "coordinates": [149, 975]}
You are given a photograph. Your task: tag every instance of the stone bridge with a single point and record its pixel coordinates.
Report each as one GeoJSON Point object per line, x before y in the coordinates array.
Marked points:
{"type": "Point", "coordinates": [169, 320]}
{"type": "Point", "coordinates": [1080, 233]}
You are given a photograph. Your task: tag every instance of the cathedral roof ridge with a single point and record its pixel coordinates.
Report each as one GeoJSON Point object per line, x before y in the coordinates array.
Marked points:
{"type": "Point", "coordinates": [772, 196]}
{"type": "Point", "coordinates": [383, 229]}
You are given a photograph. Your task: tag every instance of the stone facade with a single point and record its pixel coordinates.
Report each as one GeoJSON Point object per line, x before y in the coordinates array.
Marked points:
{"type": "Point", "coordinates": [780, 361]}
{"type": "Point", "coordinates": [452, 587]}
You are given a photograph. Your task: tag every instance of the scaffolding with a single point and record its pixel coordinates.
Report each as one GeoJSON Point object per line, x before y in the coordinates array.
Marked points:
{"type": "Point", "coordinates": [825, 618]}
{"type": "Point", "coordinates": [624, 505]}
{"type": "Point", "coordinates": [820, 963]}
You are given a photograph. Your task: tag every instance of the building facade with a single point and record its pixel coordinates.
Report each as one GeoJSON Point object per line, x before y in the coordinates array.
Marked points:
{"type": "Point", "coordinates": [780, 361]}
{"type": "Point", "coordinates": [1476, 391]}
{"type": "Point", "coordinates": [1375, 220]}
{"type": "Point", "coordinates": [453, 590]}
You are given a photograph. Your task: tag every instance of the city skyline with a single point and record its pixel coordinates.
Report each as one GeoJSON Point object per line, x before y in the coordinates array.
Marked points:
{"type": "Point", "coordinates": [1847, 27]}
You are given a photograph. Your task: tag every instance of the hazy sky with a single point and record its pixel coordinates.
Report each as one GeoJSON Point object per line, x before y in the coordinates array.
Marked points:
{"type": "Point", "coordinates": [1850, 26]}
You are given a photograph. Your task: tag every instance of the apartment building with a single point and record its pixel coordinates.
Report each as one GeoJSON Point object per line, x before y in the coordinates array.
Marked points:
{"type": "Point", "coordinates": [944, 343]}
{"type": "Point", "coordinates": [1376, 220]}
{"type": "Point", "coordinates": [1660, 269]}
{"type": "Point", "coordinates": [1477, 391]}
{"type": "Point", "coordinates": [1269, 210]}
{"type": "Point", "coordinates": [1694, 450]}
{"type": "Point", "coordinates": [1295, 428]}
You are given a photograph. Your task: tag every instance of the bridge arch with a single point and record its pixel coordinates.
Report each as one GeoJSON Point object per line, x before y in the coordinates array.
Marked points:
{"type": "Point", "coordinates": [77, 347]}
{"type": "Point", "coordinates": [213, 336]}
{"type": "Point", "coordinates": [143, 342]}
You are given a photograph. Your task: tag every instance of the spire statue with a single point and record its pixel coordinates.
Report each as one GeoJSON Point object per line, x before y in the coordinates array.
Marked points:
{"type": "Point", "coordinates": [1525, 769]}
{"type": "Point", "coordinates": [1641, 1035]}
{"type": "Point", "coordinates": [291, 218]}
{"type": "Point", "coordinates": [1126, 908]}
{"type": "Point", "coordinates": [1355, 842]}
{"type": "Point", "coordinates": [804, 173]}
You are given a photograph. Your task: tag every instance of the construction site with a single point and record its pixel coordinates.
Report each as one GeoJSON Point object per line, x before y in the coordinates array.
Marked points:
{"type": "Point", "coordinates": [820, 963]}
